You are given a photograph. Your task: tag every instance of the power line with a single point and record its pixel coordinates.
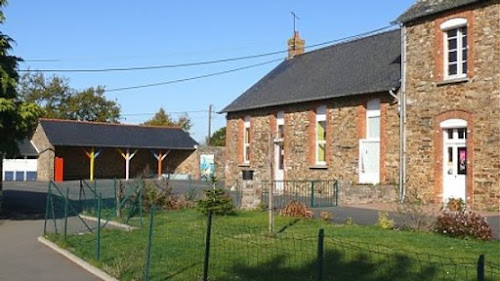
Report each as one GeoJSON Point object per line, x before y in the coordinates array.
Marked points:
{"type": "Point", "coordinates": [191, 78]}
{"type": "Point", "coordinates": [168, 112]}
{"type": "Point", "coordinates": [135, 68]}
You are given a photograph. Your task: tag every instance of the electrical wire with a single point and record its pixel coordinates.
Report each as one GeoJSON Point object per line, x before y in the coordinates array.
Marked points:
{"type": "Point", "coordinates": [151, 67]}
{"type": "Point", "coordinates": [192, 78]}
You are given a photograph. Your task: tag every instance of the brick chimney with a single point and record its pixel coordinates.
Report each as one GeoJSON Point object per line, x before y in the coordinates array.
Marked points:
{"type": "Point", "coordinates": [295, 46]}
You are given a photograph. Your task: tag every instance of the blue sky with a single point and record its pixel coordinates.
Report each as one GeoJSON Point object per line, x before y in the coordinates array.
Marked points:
{"type": "Point", "coordinates": [112, 33]}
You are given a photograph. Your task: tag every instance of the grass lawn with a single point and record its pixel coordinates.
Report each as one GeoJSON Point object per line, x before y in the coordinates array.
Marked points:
{"type": "Point", "coordinates": [241, 250]}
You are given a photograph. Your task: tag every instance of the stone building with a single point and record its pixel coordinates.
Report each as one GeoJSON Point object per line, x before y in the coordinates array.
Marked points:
{"type": "Point", "coordinates": [416, 108]}
{"type": "Point", "coordinates": [452, 87]}
{"type": "Point", "coordinates": [88, 150]}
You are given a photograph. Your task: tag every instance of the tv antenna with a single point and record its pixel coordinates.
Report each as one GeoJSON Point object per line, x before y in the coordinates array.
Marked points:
{"type": "Point", "coordinates": [294, 20]}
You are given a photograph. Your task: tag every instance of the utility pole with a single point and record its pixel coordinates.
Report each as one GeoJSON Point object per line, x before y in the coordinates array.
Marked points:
{"type": "Point", "coordinates": [209, 124]}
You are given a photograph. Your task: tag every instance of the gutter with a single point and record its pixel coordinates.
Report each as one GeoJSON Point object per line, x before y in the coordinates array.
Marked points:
{"type": "Point", "coordinates": [402, 120]}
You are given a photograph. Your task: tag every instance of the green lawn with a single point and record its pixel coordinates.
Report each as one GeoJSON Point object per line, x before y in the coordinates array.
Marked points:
{"type": "Point", "coordinates": [241, 250]}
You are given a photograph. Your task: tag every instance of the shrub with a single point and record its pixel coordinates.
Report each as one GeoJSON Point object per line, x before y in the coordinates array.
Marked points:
{"type": "Point", "coordinates": [455, 204]}
{"type": "Point", "coordinates": [296, 209]}
{"type": "Point", "coordinates": [348, 221]}
{"type": "Point", "coordinates": [464, 224]}
{"type": "Point", "coordinates": [158, 193]}
{"type": "Point", "coordinates": [412, 214]}
{"type": "Point", "coordinates": [217, 201]}
{"type": "Point", "coordinates": [326, 216]}
{"type": "Point", "coordinates": [384, 222]}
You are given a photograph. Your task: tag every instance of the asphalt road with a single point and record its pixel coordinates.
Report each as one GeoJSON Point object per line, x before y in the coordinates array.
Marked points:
{"type": "Point", "coordinates": [27, 200]}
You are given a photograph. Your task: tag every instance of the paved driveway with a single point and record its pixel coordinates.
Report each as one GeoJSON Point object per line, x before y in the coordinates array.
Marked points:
{"type": "Point", "coordinates": [22, 257]}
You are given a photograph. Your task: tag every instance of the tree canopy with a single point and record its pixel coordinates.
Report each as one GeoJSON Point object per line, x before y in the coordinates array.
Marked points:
{"type": "Point", "coordinates": [17, 118]}
{"type": "Point", "coordinates": [218, 138]}
{"type": "Point", "coordinates": [163, 119]}
{"type": "Point", "coordinates": [58, 100]}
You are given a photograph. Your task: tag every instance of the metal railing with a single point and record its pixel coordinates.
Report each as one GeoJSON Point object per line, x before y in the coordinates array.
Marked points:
{"type": "Point", "coordinates": [312, 193]}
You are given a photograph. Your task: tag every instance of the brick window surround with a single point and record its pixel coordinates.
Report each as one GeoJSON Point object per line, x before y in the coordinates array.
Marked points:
{"type": "Point", "coordinates": [311, 132]}
{"type": "Point", "coordinates": [438, 153]}
{"type": "Point", "coordinates": [361, 132]}
{"type": "Point", "coordinates": [439, 55]}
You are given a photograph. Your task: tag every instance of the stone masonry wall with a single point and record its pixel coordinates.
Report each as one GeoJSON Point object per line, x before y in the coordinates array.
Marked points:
{"type": "Point", "coordinates": [45, 163]}
{"type": "Point", "coordinates": [476, 100]}
{"type": "Point", "coordinates": [191, 164]}
{"type": "Point", "coordinates": [345, 126]}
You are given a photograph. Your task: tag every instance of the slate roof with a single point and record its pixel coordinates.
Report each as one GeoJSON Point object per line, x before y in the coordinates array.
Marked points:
{"type": "Point", "coordinates": [429, 7]}
{"type": "Point", "coordinates": [26, 148]}
{"type": "Point", "coordinates": [87, 134]}
{"type": "Point", "coordinates": [367, 65]}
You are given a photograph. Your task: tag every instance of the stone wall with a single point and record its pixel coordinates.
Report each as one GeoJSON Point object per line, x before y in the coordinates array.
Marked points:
{"type": "Point", "coordinates": [45, 163]}
{"type": "Point", "coordinates": [345, 126]}
{"type": "Point", "coordinates": [476, 100]}
{"type": "Point", "coordinates": [191, 164]}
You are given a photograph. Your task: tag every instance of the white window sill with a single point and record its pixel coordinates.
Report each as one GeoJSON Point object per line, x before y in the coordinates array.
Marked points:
{"type": "Point", "coordinates": [454, 80]}
{"type": "Point", "coordinates": [244, 165]}
{"type": "Point", "coordinates": [319, 167]}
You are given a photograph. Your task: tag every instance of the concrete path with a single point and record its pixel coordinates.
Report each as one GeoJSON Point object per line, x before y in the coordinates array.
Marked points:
{"type": "Point", "coordinates": [22, 257]}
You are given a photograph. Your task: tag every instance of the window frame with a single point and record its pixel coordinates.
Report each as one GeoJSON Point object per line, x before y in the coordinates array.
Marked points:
{"type": "Point", "coordinates": [456, 24]}
{"type": "Point", "coordinates": [373, 110]}
{"type": "Point", "coordinates": [320, 117]}
{"type": "Point", "coordinates": [246, 140]}
{"type": "Point", "coordinates": [280, 121]}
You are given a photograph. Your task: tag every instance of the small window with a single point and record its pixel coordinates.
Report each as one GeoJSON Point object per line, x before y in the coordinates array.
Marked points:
{"type": "Point", "coordinates": [373, 119]}
{"type": "Point", "coordinates": [280, 122]}
{"type": "Point", "coordinates": [462, 161]}
{"type": "Point", "coordinates": [246, 141]}
{"type": "Point", "coordinates": [321, 135]}
{"type": "Point", "coordinates": [455, 48]}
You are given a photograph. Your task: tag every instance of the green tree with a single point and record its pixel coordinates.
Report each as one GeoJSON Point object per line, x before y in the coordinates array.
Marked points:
{"type": "Point", "coordinates": [163, 119]}
{"type": "Point", "coordinates": [58, 100]}
{"type": "Point", "coordinates": [218, 138]}
{"type": "Point", "coordinates": [17, 118]}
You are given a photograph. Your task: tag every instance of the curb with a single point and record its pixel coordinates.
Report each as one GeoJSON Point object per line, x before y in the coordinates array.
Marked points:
{"type": "Point", "coordinates": [83, 264]}
{"type": "Point", "coordinates": [113, 223]}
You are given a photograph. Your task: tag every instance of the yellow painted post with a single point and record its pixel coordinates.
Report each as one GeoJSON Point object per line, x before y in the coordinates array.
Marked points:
{"type": "Point", "coordinates": [92, 155]}
{"type": "Point", "coordinates": [92, 158]}
{"type": "Point", "coordinates": [160, 160]}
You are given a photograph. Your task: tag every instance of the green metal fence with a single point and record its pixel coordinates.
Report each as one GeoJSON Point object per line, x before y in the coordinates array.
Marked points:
{"type": "Point", "coordinates": [184, 245]}
{"type": "Point", "coordinates": [313, 193]}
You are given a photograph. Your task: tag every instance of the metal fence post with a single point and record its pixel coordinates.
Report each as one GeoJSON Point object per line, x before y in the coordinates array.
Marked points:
{"type": "Point", "coordinates": [98, 245]}
{"type": "Point", "coordinates": [141, 188]}
{"type": "Point", "coordinates": [207, 246]}
{"type": "Point", "coordinates": [66, 203]}
{"type": "Point", "coordinates": [312, 194]}
{"type": "Point", "coordinates": [150, 242]}
{"type": "Point", "coordinates": [480, 268]}
{"type": "Point", "coordinates": [336, 187]}
{"type": "Point", "coordinates": [49, 193]}
{"type": "Point", "coordinates": [319, 264]}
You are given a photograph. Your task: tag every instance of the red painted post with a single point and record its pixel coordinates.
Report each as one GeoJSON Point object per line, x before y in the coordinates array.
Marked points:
{"type": "Point", "coordinates": [59, 169]}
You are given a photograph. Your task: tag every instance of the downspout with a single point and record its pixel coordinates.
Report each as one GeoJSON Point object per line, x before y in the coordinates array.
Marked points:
{"type": "Point", "coordinates": [402, 119]}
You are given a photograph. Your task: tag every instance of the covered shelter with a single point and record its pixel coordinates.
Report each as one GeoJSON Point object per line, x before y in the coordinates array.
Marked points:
{"type": "Point", "coordinates": [23, 167]}
{"type": "Point", "coordinates": [71, 150]}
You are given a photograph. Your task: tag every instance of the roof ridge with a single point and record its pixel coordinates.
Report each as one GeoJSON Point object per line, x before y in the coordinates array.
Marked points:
{"type": "Point", "coordinates": [108, 124]}
{"type": "Point", "coordinates": [349, 41]}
